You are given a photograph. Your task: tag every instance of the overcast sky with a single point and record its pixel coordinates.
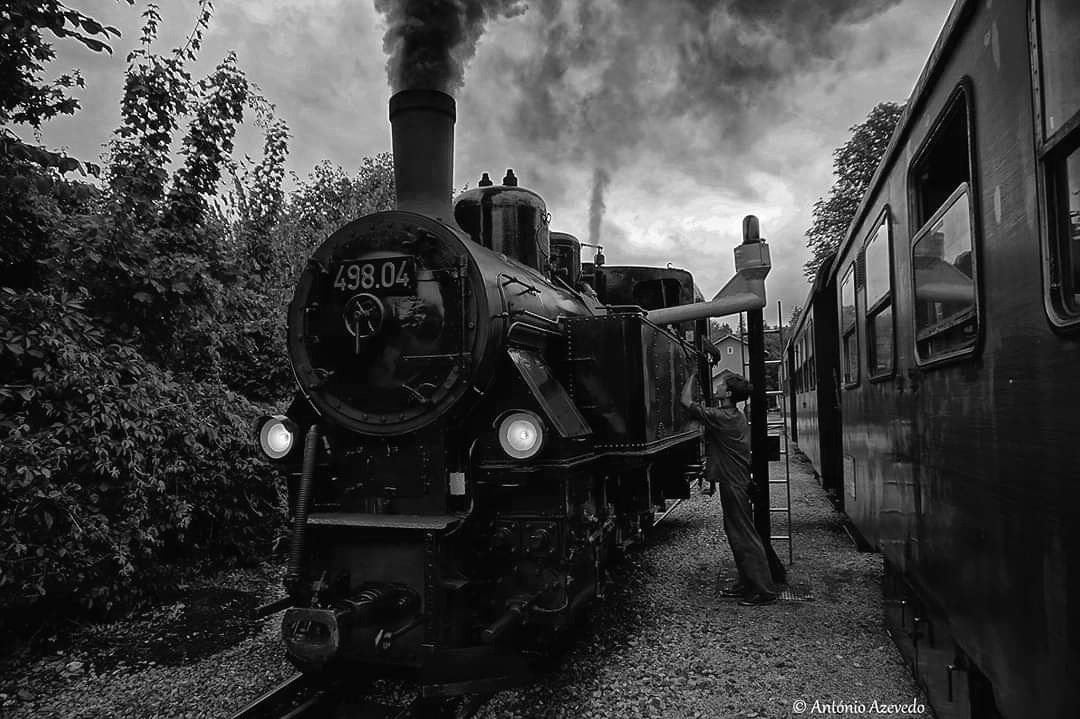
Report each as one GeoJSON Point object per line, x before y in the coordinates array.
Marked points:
{"type": "Point", "coordinates": [696, 112]}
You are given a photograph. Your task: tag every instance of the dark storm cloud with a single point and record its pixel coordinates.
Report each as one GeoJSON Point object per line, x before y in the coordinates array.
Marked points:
{"type": "Point", "coordinates": [607, 73]}
{"type": "Point", "coordinates": [429, 42]}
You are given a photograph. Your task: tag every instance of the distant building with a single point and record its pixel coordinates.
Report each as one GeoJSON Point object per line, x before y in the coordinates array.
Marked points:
{"type": "Point", "coordinates": [733, 352]}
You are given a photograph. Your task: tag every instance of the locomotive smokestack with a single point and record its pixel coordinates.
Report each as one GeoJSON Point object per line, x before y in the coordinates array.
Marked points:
{"type": "Point", "coordinates": [422, 124]}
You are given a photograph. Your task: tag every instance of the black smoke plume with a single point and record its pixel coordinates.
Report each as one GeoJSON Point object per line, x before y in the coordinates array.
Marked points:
{"type": "Point", "coordinates": [429, 42]}
{"type": "Point", "coordinates": [655, 71]}
{"type": "Point", "coordinates": [596, 203]}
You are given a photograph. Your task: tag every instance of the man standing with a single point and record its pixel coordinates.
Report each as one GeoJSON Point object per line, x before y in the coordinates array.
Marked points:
{"type": "Point", "coordinates": [727, 439]}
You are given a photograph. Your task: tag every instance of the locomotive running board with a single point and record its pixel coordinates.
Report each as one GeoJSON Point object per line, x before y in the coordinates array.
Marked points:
{"type": "Point", "coordinates": [421, 522]}
{"type": "Point", "coordinates": [640, 449]}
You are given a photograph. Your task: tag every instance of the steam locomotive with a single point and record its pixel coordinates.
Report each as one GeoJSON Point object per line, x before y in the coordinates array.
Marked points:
{"type": "Point", "coordinates": [933, 372]}
{"type": "Point", "coordinates": [483, 422]}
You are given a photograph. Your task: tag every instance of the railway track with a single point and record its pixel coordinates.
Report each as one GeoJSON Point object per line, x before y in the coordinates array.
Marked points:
{"type": "Point", "coordinates": [304, 697]}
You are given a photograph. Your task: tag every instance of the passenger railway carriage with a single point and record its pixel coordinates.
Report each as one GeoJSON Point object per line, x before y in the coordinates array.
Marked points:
{"type": "Point", "coordinates": [811, 361]}
{"type": "Point", "coordinates": [949, 323]}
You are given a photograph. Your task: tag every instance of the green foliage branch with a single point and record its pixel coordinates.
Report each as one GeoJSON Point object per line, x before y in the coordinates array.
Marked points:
{"type": "Point", "coordinates": [854, 164]}
{"type": "Point", "coordinates": [123, 453]}
{"type": "Point", "coordinates": [139, 320]}
{"type": "Point", "coordinates": [112, 467]}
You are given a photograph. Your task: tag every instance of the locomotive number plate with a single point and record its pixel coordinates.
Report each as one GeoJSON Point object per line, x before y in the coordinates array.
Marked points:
{"type": "Point", "coordinates": [383, 275]}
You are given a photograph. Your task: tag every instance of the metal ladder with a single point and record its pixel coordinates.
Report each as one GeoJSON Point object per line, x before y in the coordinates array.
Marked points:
{"type": "Point", "coordinates": [781, 426]}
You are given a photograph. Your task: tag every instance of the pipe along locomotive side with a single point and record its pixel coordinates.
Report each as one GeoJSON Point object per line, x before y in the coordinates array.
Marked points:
{"type": "Point", "coordinates": [482, 422]}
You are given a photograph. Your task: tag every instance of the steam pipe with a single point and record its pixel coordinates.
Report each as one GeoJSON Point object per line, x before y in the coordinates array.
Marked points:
{"type": "Point", "coordinates": [745, 291]}
{"type": "Point", "coordinates": [514, 614]}
{"type": "Point", "coordinates": [303, 504]}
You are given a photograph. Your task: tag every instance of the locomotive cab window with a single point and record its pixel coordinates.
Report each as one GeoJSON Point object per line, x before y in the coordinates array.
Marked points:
{"type": "Point", "coordinates": [849, 348]}
{"type": "Point", "coordinates": [942, 251]}
{"type": "Point", "coordinates": [878, 288]}
{"type": "Point", "coordinates": [1057, 85]}
{"type": "Point", "coordinates": [655, 294]}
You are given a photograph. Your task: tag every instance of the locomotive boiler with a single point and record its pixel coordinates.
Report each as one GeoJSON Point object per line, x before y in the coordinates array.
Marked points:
{"type": "Point", "coordinates": [479, 426]}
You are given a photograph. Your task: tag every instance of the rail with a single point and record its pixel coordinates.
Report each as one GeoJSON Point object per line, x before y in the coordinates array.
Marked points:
{"type": "Point", "coordinates": [303, 696]}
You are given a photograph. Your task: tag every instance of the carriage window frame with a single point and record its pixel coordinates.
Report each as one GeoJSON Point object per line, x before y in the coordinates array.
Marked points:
{"type": "Point", "coordinates": [1055, 148]}
{"type": "Point", "coordinates": [849, 331]}
{"type": "Point", "coordinates": [875, 306]}
{"type": "Point", "coordinates": [800, 345]}
{"type": "Point", "coordinates": [800, 366]}
{"type": "Point", "coordinates": [959, 105]}
{"type": "Point", "coordinates": [963, 191]}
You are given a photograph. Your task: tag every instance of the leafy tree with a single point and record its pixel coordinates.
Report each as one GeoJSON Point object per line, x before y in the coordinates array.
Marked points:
{"type": "Point", "coordinates": [329, 198]}
{"type": "Point", "coordinates": [158, 269]}
{"type": "Point", "coordinates": [25, 98]}
{"type": "Point", "coordinates": [132, 313]}
{"type": "Point", "coordinates": [156, 90]}
{"type": "Point", "coordinates": [121, 450]}
{"type": "Point", "coordinates": [33, 192]}
{"type": "Point", "coordinates": [111, 470]}
{"type": "Point", "coordinates": [854, 164]}
{"type": "Point", "coordinates": [719, 330]}
{"type": "Point", "coordinates": [793, 319]}
{"type": "Point", "coordinates": [275, 235]}
{"type": "Point", "coordinates": [254, 360]}
{"type": "Point", "coordinates": [256, 201]}
{"type": "Point", "coordinates": [208, 144]}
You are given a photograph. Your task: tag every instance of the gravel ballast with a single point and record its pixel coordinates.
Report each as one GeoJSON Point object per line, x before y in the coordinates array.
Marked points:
{"type": "Point", "coordinates": [662, 644]}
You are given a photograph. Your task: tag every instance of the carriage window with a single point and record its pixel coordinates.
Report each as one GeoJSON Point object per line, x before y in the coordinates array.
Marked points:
{"type": "Point", "coordinates": [797, 379]}
{"type": "Point", "coordinates": [943, 164]}
{"type": "Point", "coordinates": [848, 325]}
{"type": "Point", "coordinates": [802, 363]}
{"type": "Point", "coordinates": [879, 323]}
{"type": "Point", "coordinates": [1059, 26]}
{"type": "Point", "coordinates": [878, 275]}
{"type": "Point", "coordinates": [946, 317]}
{"type": "Point", "coordinates": [1059, 88]}
{"type": "Point", "coordinates": [1063, 190]}
{"type": "Point", "coordinates": [879, 341]}
{"type": "Point", "coordinates": [799, 366]}
{"type": "Point", "coordinates": [942, 260]}
{"type": "Point", "coordinates": [1069, 228]}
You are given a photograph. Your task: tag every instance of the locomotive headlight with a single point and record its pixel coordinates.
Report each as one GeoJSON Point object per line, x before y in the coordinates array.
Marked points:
{"type": "Point", "coordinates": [521, 434]}
{"type": "Point", "coordinates": [277, 436]}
